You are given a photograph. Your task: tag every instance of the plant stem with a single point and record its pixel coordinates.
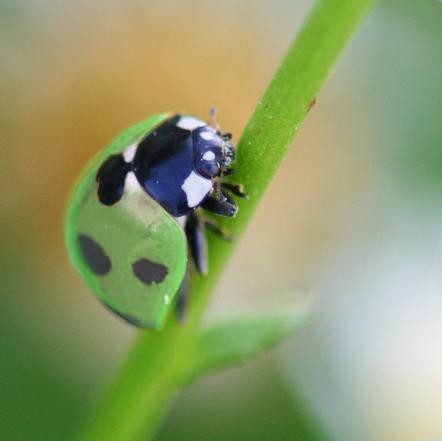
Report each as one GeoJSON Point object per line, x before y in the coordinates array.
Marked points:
{"type": "Point", "coordinates": [136, 401]}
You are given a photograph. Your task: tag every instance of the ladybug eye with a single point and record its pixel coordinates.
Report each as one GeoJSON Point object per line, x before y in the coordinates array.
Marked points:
{"type": "Point", "coordinates": [209, 168]}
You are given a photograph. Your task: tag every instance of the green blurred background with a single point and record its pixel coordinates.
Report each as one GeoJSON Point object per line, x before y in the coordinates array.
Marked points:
{"type": "Point", "coordinates": [353, 217]}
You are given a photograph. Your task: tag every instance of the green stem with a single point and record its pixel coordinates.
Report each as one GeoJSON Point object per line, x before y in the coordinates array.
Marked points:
{"type": "Point", "coordinates": [135, 402]}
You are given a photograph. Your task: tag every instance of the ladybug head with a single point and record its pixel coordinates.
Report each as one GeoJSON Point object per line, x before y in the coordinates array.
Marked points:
{"type": "Point", "coordinates": [213, 151]}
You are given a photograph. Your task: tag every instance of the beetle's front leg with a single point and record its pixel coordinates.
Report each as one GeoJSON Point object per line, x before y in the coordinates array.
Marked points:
{"type": "Point", "coordinates": [219, 202]}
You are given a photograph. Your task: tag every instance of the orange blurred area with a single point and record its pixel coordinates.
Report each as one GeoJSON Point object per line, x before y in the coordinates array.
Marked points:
{"type": "Point", "coordinates": [82, 81]}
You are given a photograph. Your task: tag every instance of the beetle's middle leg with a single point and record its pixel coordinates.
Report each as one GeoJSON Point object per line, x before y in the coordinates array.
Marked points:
{"type": "Point", "coordinates": [219, 202]}
{"type": "Point", "coordinates": [196, 238]}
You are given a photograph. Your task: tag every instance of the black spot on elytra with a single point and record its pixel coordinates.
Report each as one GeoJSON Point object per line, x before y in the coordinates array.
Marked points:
{"type": "Point", "coordinates": [94, 255]}
{"type": "Point", "coordinates": [111, 177]}
{"type": "Point", "coordinates": [149, 272]}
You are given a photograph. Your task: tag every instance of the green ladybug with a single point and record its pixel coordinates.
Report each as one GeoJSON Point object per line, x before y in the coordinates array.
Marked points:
{"type": "Point", "coordinates": [136, 214]}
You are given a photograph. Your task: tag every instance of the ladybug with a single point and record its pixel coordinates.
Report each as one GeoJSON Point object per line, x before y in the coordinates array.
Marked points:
{"type": "Point", "coordinates": [136, 217]}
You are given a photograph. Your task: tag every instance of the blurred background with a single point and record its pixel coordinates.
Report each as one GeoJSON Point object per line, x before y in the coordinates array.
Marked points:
{"type": "Point", "coordinates": [354, 217]}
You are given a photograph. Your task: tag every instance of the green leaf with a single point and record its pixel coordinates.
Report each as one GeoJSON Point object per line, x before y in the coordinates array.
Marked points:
{"type": "Point", "coordinates": [240, 340]}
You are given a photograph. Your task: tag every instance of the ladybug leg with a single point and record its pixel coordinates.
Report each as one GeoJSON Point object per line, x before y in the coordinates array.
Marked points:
{"type": "Point", "coordinates": [236, 189]}
{"type": "Point", "coordinates": [182, 297]}
{"type": "Point", "coordinates": [196, 239]}
{"type": "Point", "coordinates": [219, 202]}
{"type": "Point", "coordinates": [217, 229]}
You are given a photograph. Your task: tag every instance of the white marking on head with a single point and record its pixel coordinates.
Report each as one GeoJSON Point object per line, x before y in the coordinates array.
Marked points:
{"type": "Point", "coordinates": [190, 123]}
{"type": "Point", "coordinates": [208, 135]}
{"type": "Point", "coordinates": [209, 156]}
{"type": "Point", "coordinates": [129, 153]}
{"type": "Point", "coordinates": [196, 188]}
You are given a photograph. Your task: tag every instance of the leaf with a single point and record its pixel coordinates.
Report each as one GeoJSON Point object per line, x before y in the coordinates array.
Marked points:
{"type": "Point", "coordinates": [240, 340]}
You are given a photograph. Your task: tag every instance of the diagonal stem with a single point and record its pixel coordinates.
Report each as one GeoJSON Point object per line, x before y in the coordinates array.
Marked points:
{"type": "Point", "coordinates": [135, 402]}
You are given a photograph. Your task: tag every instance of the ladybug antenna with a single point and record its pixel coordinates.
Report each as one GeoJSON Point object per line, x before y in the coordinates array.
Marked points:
{"type": "Point", "coordinates": [212, 119]}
